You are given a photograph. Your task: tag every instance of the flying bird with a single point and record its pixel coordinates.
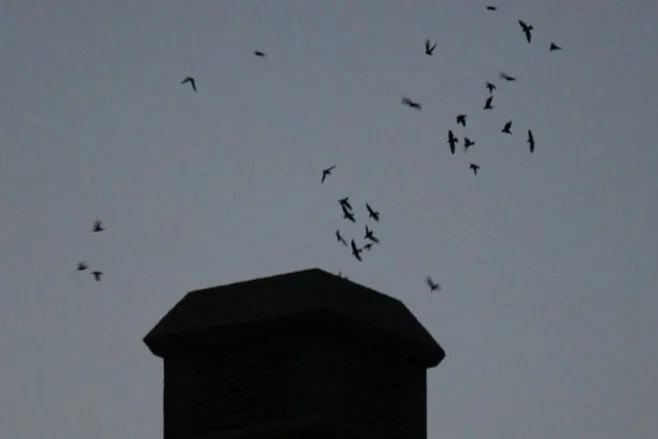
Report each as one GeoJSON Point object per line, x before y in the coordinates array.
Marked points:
{"type": "Point", "coordinates": [508, 126]}
{"type": "Point", "coordinates": [345, 203]}
{"type": "Point", "coordinates": [326, 172]}
{"type": "Point", "coordinates": [526, 28]}
{"type": "Point", "coordinates": [411, 104]}
{"type": "Point", "coordinates": [474, 167]}
{"type": "Point", "coordinates": [97, 275]}
{"type": "Point", "coordinates": [467, 143]}
{"type": "Point", "coordinates": [491, 8]}
{"type": "Point", "coordinates": [452, 140]}
{"type": "Point", "coordinates": [355, 250]}
{"type": "Point", "coordinates": [98, 227]}
{"type": "Point", "coordinates": [491, 87]}
{"type": "Point", "coordinates": [487, 104]}
{"type": "Point", "coordinates": [372, 213]}
{"type": "Point", "coordinates": [369, 235]}
{"type": "Point", "coordinates": [531, 141]}
{"type": "Point", "coordinates": [433, 286]}
{"type": "Point", "coordinates": [461, 119]}
{"type": "Point", "coordinates": [429, 50]}
{"type": "Point", "coordinates": [191, 81]}
{"type": "Point", "coordinates": [259, 54]}
{"type": "Point", "coordinates": [507, 77]}
{"type": "Point", "coordinates": [367, 246]}
{"type": "Point", "coordinates": [554, 47]}
{"type": "Point", "coordinates": [340, 239]}
{"type": "Point", "coordinates": [347, 214]}
{"type": "Point", "coordinates": [82, 266]}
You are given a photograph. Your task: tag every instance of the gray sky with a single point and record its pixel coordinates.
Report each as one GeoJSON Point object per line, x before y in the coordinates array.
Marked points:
{"type": "Point", "coordinates": [548, 261]}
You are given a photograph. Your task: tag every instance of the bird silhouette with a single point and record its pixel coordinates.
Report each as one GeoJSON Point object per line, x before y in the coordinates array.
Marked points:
{"type": "Point", "coordinates": [452, 140]}
{"type": "Point", "coordinates": [507, 77]}
{"type": "Point", "coordinates": [326, 172]}
{"type": "Point", "coordinates": [345, 202]}
{"type": "Point", "coordinates": [474, 167]}
{"type": "Point", "coordinates": [259, 54]}
{"type": "Point", "coordinates": [433, 286]}
{"type": "Point", "coordinates": [347, 214]}
{"type": "Point", "coordinates": [487, 104]}
{"type": "Point", "coordinates": [467, 143]}
{"type": "Point", "coordinates": [369, 235]}
{"type": "Point", "coordinates": [367, 246]}
{"type": "Point", "coordinates": [192, 82]}
{"type": "Point", "coordinates": [491, 8]}
{"type": "Point", "coordinates": [98, 227]}
{"type": "Point", "coordinates": [340, 239]}
{"type": "Point", "coordinates": [97, 275]}
{"type": "Point", "coordinates": [355, 250]}
{"type": "Point", "coordinates": [82, 266]}
{"type": "Point", "coordinates": [491, 87]}
{"type": "Point", "coordinates": [531, 141]}
{"type": "Point", "coordinates": [429, 50]}
{"type": "Point", "coordinates": [527, 29]}
{"type": "Point", "coordinates": [461, 119]}
{"type": "Point", "coordinates": [507, 128]}
{"type": "Point", "coordinates": [372, 213]}
{"type": "Point", "coordinates": [411, 104]}
{"type": "Point", "coordinates": [554, 47]}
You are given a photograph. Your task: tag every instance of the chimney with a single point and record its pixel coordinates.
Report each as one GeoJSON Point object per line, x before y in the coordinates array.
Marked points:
{"type": "Point", "coordinates": [299, 355]}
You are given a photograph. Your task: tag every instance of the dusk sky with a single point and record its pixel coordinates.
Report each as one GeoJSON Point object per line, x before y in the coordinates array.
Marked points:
{"type": "Point", "coordinates": [548, 262]}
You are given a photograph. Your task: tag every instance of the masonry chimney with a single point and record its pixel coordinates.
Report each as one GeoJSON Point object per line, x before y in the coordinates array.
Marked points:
{"type": "Point", "coordinates": [305, 355]}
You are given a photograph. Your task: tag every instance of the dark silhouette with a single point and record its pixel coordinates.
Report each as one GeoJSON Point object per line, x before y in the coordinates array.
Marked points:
{"type": "Point", "coordinates": [192, 82]}
{"type": "Point", "coordinates": [340, 238]}
{"type": "Point", "coordinates": [531, 141]}
{"type": "Point", "coordinates": [554, 47]}
{"type": "Point", "coordinates": [345, 203]}
{"type": "Point", "coordinates": [372, 213]}
{"type": "Point", "coordinates": [82, 266]}
{"type": "Point", "coordinates": [429, 50]}
{"type": "Point", "coordinates": [411, 104]}
{"type": "Point", "coordinates": [452, 140]}
{"type": "Point", "coordinates": [507, 128]}
{"type": "Point", "coordinates": [369, 235]}
{"type": "Point", "coordinates": [355, 250]}
{"type": "Point", "coordinates": [474, 167]}
{"type": "Point", "coordinates": [259, 54]}
{"type": "Point", "coordinates": [491, 87]}
{"type": "Point", "coordinates": [98, 227]}
{"type": "Point", "coordinates": [461, 119]}
{"type": "Point", "coordinates": [347, 214]}
{"type": "Point", "coordinates": [367, 246]}
{"type": "Point", "coordinates": [326, 172]}
{"type": "Point", "coordinates": [507, 77]}
{"type": "Point", "coordinates": [487, 104]}
{"type": "Point", "coordinates": [467, 143]}
{"type": "Point", "coordinates": [526, 28]}
{"type": "Point", "coordinates": [433, 286]}
{"type": "Point", "coordinates": [97, 275]}
{"type": "Point", "coordinates": [491, 8]}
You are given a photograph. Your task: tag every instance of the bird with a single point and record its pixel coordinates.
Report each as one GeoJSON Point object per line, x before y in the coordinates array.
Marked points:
{"type": "Point", "coordinates": [192, 82]}
{"type": "Point", "coordinates": [82, 266]}
{"type": "Point", "coordinates": [97, 275]}
{"type": "Point", "coordinates": [259, 54]}
{"type": "Point", "coordinates": [491, 87]}
{"type": "Point", "coordinates": [474, 167]}
{"type": "Point", "coordinates": [461, 119]}
{"type": "Point", "coordinates": [345, 202]}
{"type": "Point", "coordinates": [452, 140]}
{"type": "Point", "coordinates": [340, 239]}
{"type": "Point", "coordinates": [411, 104]}
{"type": "Point", "coordinates": [491, 8]}
{"type": "Point", "coordinates": [507, 77]}
{"type": "Point", "coordinates": [347, 214]}
{"type": "Point", "coordinates": [531, 141]}
{"type": "Point", "coordinates": [554, 47]}
{"type": "Point", "coordinates": [487, 104]}
{"type": "Point", "coordinates": [508, 126]}
{"type": "Point", "coordinates": [367, 246]}
{"type": "Point", "coordinates": [429, 50]}
{"type": "Point", "coordinates": [326, 172]}
{"type": "Point", "coordinates": [526, 28]}
{"type": "Point", "coordinates": [98, 227]}
{"type": "Point", "coordinates": [467, 143]}
{"type": "Point", "coordinates": [433, 286]}
{"type": "Point", "coordinates": [372, 213]}
{"type": "Point", "coordinates": [369, 235]}
{"type": "Point", "coordinates": [355, 250]}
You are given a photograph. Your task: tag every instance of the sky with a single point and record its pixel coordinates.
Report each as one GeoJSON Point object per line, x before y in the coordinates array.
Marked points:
{"type": "Point", "coordinates": [547, 261]}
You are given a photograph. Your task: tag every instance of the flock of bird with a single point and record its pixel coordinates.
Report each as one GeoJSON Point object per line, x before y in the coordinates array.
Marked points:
{"type": "Point", "coordinates": [369, 238]}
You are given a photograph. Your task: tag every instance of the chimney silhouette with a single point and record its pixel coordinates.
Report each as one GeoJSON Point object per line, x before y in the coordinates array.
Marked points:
{"type": "Point", "coordinates": [299, 355]}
